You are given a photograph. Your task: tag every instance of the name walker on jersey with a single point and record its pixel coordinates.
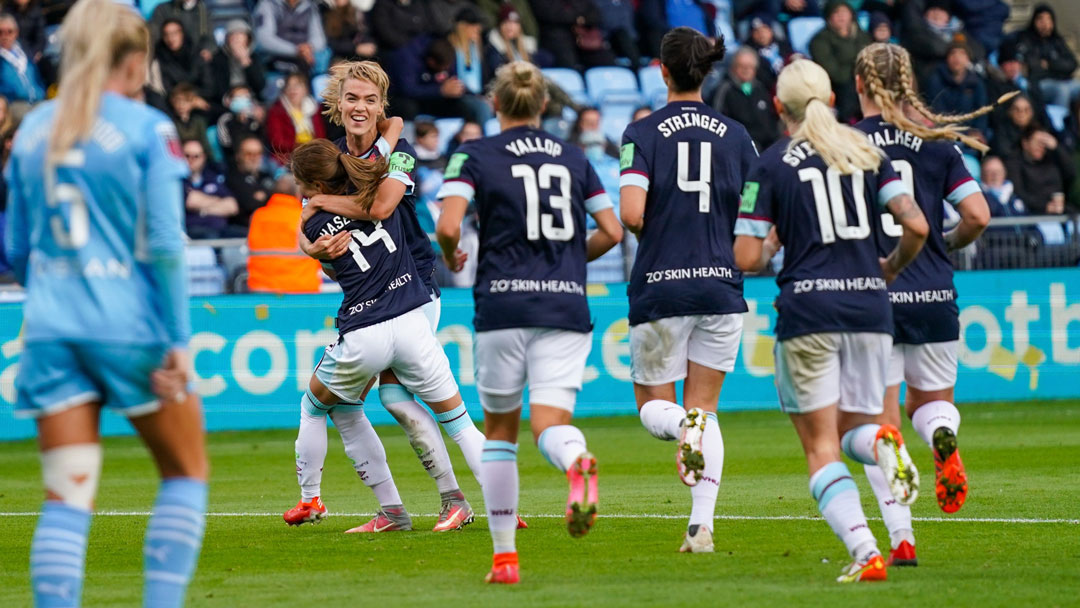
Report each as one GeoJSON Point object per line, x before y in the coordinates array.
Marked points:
{"type": "Point", "coordinates": [536, 286]}
{"type": "Point", "coordinates": [681, 274]}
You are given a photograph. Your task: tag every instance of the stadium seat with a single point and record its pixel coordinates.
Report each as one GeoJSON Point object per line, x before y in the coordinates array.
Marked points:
{"type": "Point", "coordinates": [448, 128]}
{"type": "Point", "coordinates": [613, 120]}
{"type": "Point", "coordinates": [318, 84]}
{"type": "Point", "coordinates": [205, 277]}
{"type": "Point", "coordinates": [612, 84]}
{"type": "Point", "coordinates": [491, 127]}
{"type": "Point", "coordinates": [148, 7]}
{"type": "Point", "coordinates": [275, 81]}
{"type": "Point", "coordinates": [801, 30]}
{"type": "Point", "coordinates": [568, 80]}
{"type": "Point", "coordinates": [1057, 115]}
{"type": "Point", "coordinates": [653, 88]}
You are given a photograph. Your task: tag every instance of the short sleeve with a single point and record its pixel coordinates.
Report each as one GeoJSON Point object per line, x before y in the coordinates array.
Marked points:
{"type": "Point", "coordinates": [459, 178]}
{"type": "Point", "coordinates": [889, 184]}
{"type": "Point", "coordinates": [959, 184]}
{"type": "Point", "coordinates": [596, 198]}
{"type": "Point", "coordinates": [403, 166]}
{"type": "Point", "coordinates": [633, 168]}
{"type": "Point", "coordinates": [756, 207]}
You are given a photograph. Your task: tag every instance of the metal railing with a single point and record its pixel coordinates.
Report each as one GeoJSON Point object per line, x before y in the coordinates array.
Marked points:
{"type": "Point", "coordinates": [1047, 241]}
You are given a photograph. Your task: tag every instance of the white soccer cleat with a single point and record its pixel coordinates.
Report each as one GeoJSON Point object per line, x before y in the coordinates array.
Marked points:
{"type": "Point", "coordinates": [689, 460]}
{"type": "Point", "coordinates": [698, 540]}
{"type": "Point", "coordinates": [893, 458]}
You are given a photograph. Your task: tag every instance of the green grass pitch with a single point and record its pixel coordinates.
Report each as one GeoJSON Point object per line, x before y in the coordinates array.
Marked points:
{"type": "Point", "coordinates": [1015, 543]}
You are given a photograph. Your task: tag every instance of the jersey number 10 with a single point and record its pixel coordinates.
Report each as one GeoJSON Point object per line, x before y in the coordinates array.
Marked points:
{"type": "Point", "coordinates": [537, 223]}
{"type": "Point", "coordinates": [829, 203]}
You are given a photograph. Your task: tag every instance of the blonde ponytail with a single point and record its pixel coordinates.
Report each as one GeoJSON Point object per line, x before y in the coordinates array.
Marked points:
{"type": "Point", "coordinates": [804, 90]}
{"type": "Point", "coordinates": [520, 90]}
{"type": "Point", "coordinates": [96, 36]}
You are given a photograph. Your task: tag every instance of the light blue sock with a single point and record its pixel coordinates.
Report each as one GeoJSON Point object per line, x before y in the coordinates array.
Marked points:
{"type": "Point", "coordinates": [58, 555]}
{"type": "Point", "coordinates": [173, 539]}
{"type": "Point", "coordinates": [455, 420]}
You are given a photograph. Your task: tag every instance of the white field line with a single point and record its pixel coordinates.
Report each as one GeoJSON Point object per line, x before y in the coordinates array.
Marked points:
{"type": "Point", "coordinates": [986, 520]}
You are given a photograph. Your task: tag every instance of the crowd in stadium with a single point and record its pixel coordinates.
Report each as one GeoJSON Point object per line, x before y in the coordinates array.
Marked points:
{"type": "Point", "coordinates": [243, 82]}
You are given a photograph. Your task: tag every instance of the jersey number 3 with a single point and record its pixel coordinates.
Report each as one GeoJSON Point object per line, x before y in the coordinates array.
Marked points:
{"type": "Point", "coordinates": [537, 223]}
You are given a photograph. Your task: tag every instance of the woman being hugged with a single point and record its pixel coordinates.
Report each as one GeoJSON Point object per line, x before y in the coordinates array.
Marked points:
{"type": "Point", "coordinates": [816, 193]}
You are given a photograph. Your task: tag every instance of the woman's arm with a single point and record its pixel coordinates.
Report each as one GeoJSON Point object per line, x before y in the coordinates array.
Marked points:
{"type": "Point", "coordinates": [448, 231]}
{"type": "Point", "coordinates": [609, 234]}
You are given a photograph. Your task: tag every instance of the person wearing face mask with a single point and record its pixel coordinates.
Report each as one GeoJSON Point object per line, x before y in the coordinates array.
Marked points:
{"type": "Point", "coordinates": [244, 117]}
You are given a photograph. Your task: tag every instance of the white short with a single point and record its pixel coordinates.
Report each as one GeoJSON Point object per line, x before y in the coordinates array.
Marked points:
{"type": "Point", "coordinates": [925, 367]}
{"type": "Point", "coordinates": [550, 361]}
{"type": "Point", "coordinates": [660, 349]}
{"type": "Point", "coordinates": [433, 311]}
{"type": "Point", "coordinates": [817, 370]}
{"type": "Point", "coordinates": [404, 344]}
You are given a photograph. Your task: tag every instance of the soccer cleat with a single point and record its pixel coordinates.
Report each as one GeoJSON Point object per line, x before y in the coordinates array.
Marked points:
{"type": "Point", "coordinates": [382, 522]}
{"type": "Point", "coordinates": [581, 503]}
{"type": "Point", "coordinates": [893, 458]}
{"type": "Point", "coordinates": [902, 555]}
{"type": "Point", "coordinates": [454, 515]}
{"type": "Point", "coordinates": [688, 457]}
{"type": "Point", "coordinates": [311, 511]}
{"type": "Point", "coordinates": [698, 540]}
{"type": "Point", "coordinates": [504, 569]}
{"type": "Point", "coordinates": [872, 569]}
{"type": "Point", "coordinates": [950, 477]}
{"type": "Point", "coordinates": [521, 523]}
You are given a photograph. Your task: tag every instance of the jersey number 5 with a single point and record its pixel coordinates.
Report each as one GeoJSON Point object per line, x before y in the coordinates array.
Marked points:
{"type": "Point", "coordinates": [359, 239]}
{"type": "Point", "coordinates": [537, 223]}
{"type": "Point", "coordinates": [75, 231]}
{"type": "Point", "coordinates": [829, 202]}
{"type": "Point", "coordinates": [702, 184]}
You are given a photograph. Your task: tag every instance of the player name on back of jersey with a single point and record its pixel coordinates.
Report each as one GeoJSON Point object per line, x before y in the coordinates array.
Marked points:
{"type": "Point", "coordinates": [895, 137]}
{"type": "Point", "coordinates": [534, 145]}
{"type": "Point", "coordinates": [691, 118]}
{"type": "Point", "coordinates": [335, 225]}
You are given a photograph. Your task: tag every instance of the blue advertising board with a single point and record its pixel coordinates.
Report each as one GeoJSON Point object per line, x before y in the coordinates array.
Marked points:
{"type": "Point", "coordinates": [253, 354]}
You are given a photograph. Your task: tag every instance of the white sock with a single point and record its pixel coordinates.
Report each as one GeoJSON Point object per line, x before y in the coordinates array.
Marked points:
{"type": "Point", "coordinates": [932, 416]}
{"type": "Point", "coordinates": [858, 443]}
{"type": "Point", "coordinates": [500, 486]}
{"type": "Point", "coordinates": [704, 493]}
{"type": "Point", "coordinates": [838, 500]}
{"type": "Point", "coordinates": [662, 418]}
{"type": "Point", "coordinates": [363, 447]}
{"type": "Point", "coordinates": [310, 449]}
{"type": "Point", "coordinates": [897, 516]}
{"type": "Point", "coordinates": [561, 445]}
{"type": "Point", "coordinates": [423, 433]}
{"type": "Point", "coordinates": [464, 433]}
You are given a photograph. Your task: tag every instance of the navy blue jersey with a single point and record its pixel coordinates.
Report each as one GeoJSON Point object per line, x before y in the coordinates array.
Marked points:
{"type": "Point", "coordinates": [831, 280]}
{"type": "Point", "coordinates": [923, 296]}
{"type": "Point", "coordinates": [403, 169]}
{"type": "Point", "coordinates": [692, 162]}
{"type": "Point", "coordinates": [378, 275]}
{"type": "Point", "coordinates": [532, 191]}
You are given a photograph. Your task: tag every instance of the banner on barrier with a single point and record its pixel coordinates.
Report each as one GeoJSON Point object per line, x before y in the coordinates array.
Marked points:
{"type": "Point", "coordinates": [253, 354]}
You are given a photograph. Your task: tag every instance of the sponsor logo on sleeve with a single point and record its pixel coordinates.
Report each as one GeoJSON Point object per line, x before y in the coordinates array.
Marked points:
{"type": "Point", "coordinates": [400, 161]}
{"type": "Point", "coordinates": [626, 156]}
{"type": "Point", "coordinates": [453, 168]}
{"type": "Point", "coordinates": [749, 197]}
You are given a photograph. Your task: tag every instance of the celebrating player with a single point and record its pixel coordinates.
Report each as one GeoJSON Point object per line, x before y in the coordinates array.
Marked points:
{"type": "Point", "coordinates": [356, 98]}
{"type": "Point", "coordinates": [834, 319]}
{"type": "Point", "coordinates": [532, 192]}
{"type": "Point", "coordinates": [686, 300]}
{"type": "Point", "coordinates": [923, 298]}
{"type": "Point", "coordinates": [95, 234]}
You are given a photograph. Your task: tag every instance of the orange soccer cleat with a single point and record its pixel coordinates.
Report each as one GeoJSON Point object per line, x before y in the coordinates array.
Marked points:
{"type": "Point", "coordinates": [951, 478]}
{"type": "Point", "coordinates": [892, 456]}
{"type": "Point", "coordinates": [310, 511]}
{"type": "Point", "coordinates": [902, 555]}
{"type": "Point", "coordinates": [873, 569]}
{"type": "Point", "coordinates": [504, 569]}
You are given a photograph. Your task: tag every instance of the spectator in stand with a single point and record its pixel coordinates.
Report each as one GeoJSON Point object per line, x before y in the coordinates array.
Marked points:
{"type": "Point", "coordinates": [640, 113]}
{"type": "Point", "coordinates": [423, 80]}
{"type": "Point", "coordinates": [443, 15]}
{"type": "Point", "coordinates": [468, 132]}
{"type": "Point", "coordinates": [294, 119]}
{"type": "Point", "coordinates": [507, 42]}
{"type": "Point", "coordinates": [617, 21]}
{"type": "Point", "coordinates": [190, 122]}
{"type": "Point", "coordinates": [1042, 173]}
{"type": "Point", "coordinates": [1000, 192]}
{"type": "Point", "coordinates": [291, 33]}
{"type": "Point", "coordinates": [1072, 135]}
{"type": "Point", "coordinates": [7, 124]}
{"type": "Point", "coordinates": [587, 133]}
{"type": "Point", "coordinates": [427, 146]}
{"type": "Point", "coordinates": [835, 48]}
{"type": "Point", "coordinates": [207, 199]}
{"type": "Point", "coordinates": [347, 31]}
{"type": "Point", "coordinates": [496, 9]}
{"type": "Point", "coordinates": [20, 81]}
{"type": "Point", "coordinates": [929, 32]}
{"type": "Point", "coordinates": [31, 24]}
{"type": "Point", "coordinates": [955, 87]}
{"type": "Point", "coordinates": [1019, 116]}
{"type": "Point", "coordinates": [233, 65]}
{"type": "Point", "coordinates": [251, 182]}
{"type": "Point", "coordinates": [243, 118]}
{"type": "Point", "coordinates": [194, 17]}
{"type": "Point", "coordinates": [742, 97]}
{"type": "Point", "coordinates": [774, 53]}
{"type": "Point", "coordinates": [1011, 75]}
{"type": "Point", "coordinates": [1050, 62]}
{"type": "Point", "coordinates": [470, 67]}
{"type": "Point", "coordinates": [397, 23]}
{"type": "Point", "coordinates": [570, 31]}
{"type": "Point", "coordinates": [881, 28]}
{"type": "Point", "coordinates": [652, 24]}
{"type": "Point", "coordinates": [177, 60]}
{"type": "Point", "coordinates": [275, 262]}
{"type": "Point", "coordinates": [984, 21]}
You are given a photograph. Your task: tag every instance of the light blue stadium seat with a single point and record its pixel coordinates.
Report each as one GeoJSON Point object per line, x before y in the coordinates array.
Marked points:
{"type": "Point", "coordinates": [568, 80]}
{"type": "Point", "coordinates": [275, 81]}
{"type": "Point", "coordinates": [613, 120]}
{"type": "Point", "coordinates": [653, 88]}
{"type": "Point", "coordinates": [612, 84]}
{"type": "Point", "coordinates": [205, 276]}
{"type": "Point", "coordinates": [801, 30]}
{"type": "Point", "coordinates": [448, 128]}
{"type": "Point", "coordinates": [318, 84]}
{"type": "Point", "coordinates": [148, 7]}
{"type": "Point", "coordinates": [1057, 115]}
{"type": "Point", "coordinates": [492, 127]}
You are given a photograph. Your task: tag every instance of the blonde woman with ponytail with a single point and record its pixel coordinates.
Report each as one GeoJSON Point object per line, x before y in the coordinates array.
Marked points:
{"type": "Point", "coordinates": [926, 334]}
{"type": "Point", "coordinates": [818, 194]}
{"type": "Point", "coordinates": [95, 234]}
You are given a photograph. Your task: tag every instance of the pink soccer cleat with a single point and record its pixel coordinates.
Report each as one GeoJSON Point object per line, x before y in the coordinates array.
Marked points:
{"type": "Point", "coordinates": [581, 503]}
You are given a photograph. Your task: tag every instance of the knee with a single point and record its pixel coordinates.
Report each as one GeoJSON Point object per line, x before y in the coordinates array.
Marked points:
{"type": "Point", "coordinates": [71, 473]}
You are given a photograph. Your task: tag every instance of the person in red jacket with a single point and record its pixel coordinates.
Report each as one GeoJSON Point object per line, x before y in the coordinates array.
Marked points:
{"type": "Point", "coordinates": [294, 119]}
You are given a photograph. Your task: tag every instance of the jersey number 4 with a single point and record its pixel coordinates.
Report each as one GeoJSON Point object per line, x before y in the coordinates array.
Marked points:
{"type": "Point", "coordinates": [537, 223]}
{"type": "Point", "coordinates": [702, 185]}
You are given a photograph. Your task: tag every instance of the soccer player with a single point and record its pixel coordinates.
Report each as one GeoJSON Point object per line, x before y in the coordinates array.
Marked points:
{"type": "Point", "coordinates": [532, 191]}
{"type": "Point", "coordinates": [95, 234]}
{"type": "Point", "coordinates": [381, 322]}
{"type": "Point", "coordinates": [356, 97]}
{"type": "Point", "coordinates": [683, 167]}
{"type": "Point", "coordinates": [925, 315]}
{"type": "Point", "coordinates": [834, 322]}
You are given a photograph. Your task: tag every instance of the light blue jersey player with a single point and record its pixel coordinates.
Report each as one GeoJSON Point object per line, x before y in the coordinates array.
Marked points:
{"type": "Point", "coordinates": [95, 234]}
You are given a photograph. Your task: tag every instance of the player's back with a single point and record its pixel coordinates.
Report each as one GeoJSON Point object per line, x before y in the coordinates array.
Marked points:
{"type": "Point", "coordinates": [532, 191]}
{"type": "Point", "coordinates": [692, 162]}
{"type": "Point", "coordinates": [89, 227]}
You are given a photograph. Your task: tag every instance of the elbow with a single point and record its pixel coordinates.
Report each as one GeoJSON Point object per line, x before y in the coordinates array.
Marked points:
{"type": "Point", "coordinates": [980, 218]}
{"type": "Point", "coordinates": [447, 232]}
{"type": "Point", "coordinates": [748, 254]}
{"type": "Point", "coordinates": [919, 229]}
{"type": "Point", "coordinates": [379, 213]}
{"type": "Point", "coordinates": [615, 233]}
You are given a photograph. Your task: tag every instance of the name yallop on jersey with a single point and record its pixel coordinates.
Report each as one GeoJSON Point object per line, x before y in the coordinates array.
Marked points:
{"type": "Point", "coordinates": [680, 274]}
{"type": "Point", "coordinates": [848, 284]}
{"type": "Point", "coordinates": [395, 284]}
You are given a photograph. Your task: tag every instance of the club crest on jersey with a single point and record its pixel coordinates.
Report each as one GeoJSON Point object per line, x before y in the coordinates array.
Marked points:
{"type": "Point", "coordinates": [167, 133]}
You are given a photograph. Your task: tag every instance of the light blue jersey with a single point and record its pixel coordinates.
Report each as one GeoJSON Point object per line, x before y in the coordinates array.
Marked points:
{"type": "Point", "coordinates": [98, 241]}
